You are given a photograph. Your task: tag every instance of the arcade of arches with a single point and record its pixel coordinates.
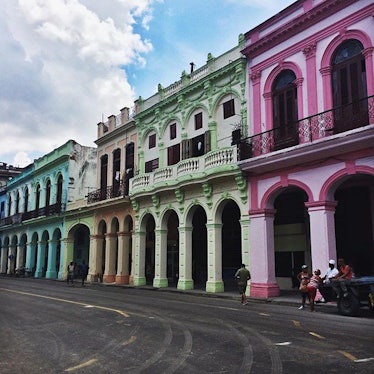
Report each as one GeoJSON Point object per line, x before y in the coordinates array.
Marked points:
{"type": "Point", "coordinates": [203, 252]}
{"type": "Point", "coordinates": [303, 232]}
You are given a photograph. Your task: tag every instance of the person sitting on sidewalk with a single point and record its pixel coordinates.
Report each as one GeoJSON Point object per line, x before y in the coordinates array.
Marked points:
{"type": "Point", "coordinates": [331, 272]}
{"type": "Point", "coordinates": [342, 279]}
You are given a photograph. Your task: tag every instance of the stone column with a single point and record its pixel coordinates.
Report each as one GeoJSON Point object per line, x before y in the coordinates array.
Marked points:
{"type": "Point", "coordinates": [40, 259]}
{"type": "Point", "coordinates": [322, 232]}
{"type": "Point", "coordinates": [21, 253]}
{"type": "Point", "coordinates": [185, 281]}
{"type": "Point", "coordinates": [67, 255]}
{"type": "Point", "coordinates": [213, 135]}
{"type": "Point", "coordinates": [160, 279]}
{"type": "Point", "coordinates": [262, 259]}
{"type": "Point", "coordinates": [110, 257]}
{"type": "Point", "coordinates": [3, 259]}
{"type": "Point", "coordinates": [214, 282]}
{"type": "Point", "coordinates": [244, 225]}
{"type": "Point", "coordinates": [139, 259]}
{"type": "Point", "coordinates": [12, 259]}
{"type": "Point", "coordinates": [30, 257]}
{"type": "Point", "coordinates": [95, 260]}
{"type": "Point", "coordinates": [123, 258]}
{"type": "Point", "coordinates": [52, 252]}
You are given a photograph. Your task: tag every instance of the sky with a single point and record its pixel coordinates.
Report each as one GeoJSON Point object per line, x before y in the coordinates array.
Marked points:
{"type": "Point", "coordinates": [66, 65]}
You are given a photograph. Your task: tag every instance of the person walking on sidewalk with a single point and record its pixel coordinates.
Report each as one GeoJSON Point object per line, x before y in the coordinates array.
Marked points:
{"type": "Point", "coordinates": [242, 276]}
{"type": "Point", "coordinates": [84, 271]}
{"type": "Point", "coordinates": [71, 270]}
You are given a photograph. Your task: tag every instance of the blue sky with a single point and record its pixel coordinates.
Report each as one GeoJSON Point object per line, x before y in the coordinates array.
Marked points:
{"type": "Point", "coordinates": [66, 64]}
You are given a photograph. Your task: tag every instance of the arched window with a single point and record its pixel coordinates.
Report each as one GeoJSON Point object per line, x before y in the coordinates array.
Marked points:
{"type": "Point", "coordinates": [129, 165]}
{"type": "Point", "coordinates": [48, 193]}
{"type": "Point", "coordinates": [59, 191]}
{"type": "Point", "coordinates": [37, 197]}
{"type": "Point", "coordinates": [9, 205]}
{"type": "Point", "coordinates": [349, 86]}
{"type": "Point", "coordinates": [26, 200]}
{"type": "Point", "coordinates": [103, 176]}
{"type": "Point", "coordinates": [284, 95]}
{"type": "Point", "coordinates": [17, 203]}
{"type": "Point", "coordinates": [116, 178]}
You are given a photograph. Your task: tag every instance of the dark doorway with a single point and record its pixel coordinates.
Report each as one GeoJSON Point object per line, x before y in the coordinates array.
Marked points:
{"type": "Point", "coordinates": [353, 227]}
{"type": "Point", "coordinates": [199, 248]}
{"type": "Point", "coordinates": [231, 244]}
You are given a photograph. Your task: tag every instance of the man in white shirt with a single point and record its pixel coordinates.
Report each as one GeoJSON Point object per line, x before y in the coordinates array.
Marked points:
{"type": "Point", "coordinates": [331, 272]}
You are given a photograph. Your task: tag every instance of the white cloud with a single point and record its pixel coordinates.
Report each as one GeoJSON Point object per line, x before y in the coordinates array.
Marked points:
{"type": "Point", "coordinates": [62, 68]}
{"type": "Point", "coordinates": [21, 159]}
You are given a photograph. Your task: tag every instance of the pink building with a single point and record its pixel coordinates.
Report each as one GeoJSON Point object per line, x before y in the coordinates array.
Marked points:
{"type": "Point", "coordinates": [310, 159]}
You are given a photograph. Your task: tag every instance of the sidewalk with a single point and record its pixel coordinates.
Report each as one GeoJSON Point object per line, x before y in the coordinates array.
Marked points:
{"type": "Point", "coordinates": [288, 297]}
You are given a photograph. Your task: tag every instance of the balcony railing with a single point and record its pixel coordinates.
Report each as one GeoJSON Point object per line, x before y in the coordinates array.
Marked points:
{"type": "Point", "coordinates": [337, 120]}
{"type": "Point", "coordinates": [32, 214]}
{"type": "Point", "coordinates": [110, 192]}
{"type": "Point", "coordinates": [186, 168]}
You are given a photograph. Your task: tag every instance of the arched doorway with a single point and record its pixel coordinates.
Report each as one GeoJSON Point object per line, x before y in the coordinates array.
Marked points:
{"type": "Point", "coordinates": [21, 260]}
{"type": "Point", "coordinates": [199, 248]}
{"type": "Point", "coordinates": [100, 255]}
{"type": "Point", "coordinates": [354, 223]}
{"type": "Point", "coordinates": [231, 244]}
{"type": "Point", "coordinates": [81, 249]}
{"type": "Point", "coordinates": [150, 249]}
{"type": "Point", "coordinates": [172, 249]}
{"type": "Point", "coordinates": [291, 236]}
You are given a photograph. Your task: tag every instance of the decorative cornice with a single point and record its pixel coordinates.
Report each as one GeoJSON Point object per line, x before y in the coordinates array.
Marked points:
{"type": "Point", "coordinates": [320, 12]}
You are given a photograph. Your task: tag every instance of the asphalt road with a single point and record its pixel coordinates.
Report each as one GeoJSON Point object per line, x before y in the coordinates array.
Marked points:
{"type": "Point", "coordinates": [48, 327]}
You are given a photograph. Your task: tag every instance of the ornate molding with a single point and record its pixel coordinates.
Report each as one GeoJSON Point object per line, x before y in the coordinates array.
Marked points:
{"type": "Point", "coordinates": [179, 195]}
{"type": "Point", "coordinates": [241, 182]}
{"type": "Point", "coordinates": [310, 50]}
{"type": "Point", "coordinates": [208, 193]}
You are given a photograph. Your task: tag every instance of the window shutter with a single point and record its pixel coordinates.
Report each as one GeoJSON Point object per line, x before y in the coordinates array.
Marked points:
{"type": "Point", "coordinates": [186, 148]}
{"type": "Point", "coordinates": [207, 141]}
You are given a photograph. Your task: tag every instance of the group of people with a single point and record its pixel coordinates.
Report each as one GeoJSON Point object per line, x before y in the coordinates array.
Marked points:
{"type": "Point", "coordinates": [339, 278]}
{"type": "Point", "coordinates": [310, 283]}
{"type": "Point", "coordinates": [72, 270]}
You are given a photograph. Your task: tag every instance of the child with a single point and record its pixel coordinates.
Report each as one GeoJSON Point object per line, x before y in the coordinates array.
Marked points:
{"type": "Point", "coordinates": [303, 278]}
{"type": "Point", "coordinates": [312, 287]}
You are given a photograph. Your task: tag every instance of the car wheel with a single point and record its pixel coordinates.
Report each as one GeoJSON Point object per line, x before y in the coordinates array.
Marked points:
{"type": "Point", "coordinates": [348, 306]}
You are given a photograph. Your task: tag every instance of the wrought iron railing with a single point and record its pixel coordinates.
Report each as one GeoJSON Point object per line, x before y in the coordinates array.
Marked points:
{"type": "Point", "coordinates": [110, 192]}
{"type": "Point", "coordinates": [41, 212]}
{"type": "Point", "coordinates": [334, 121]}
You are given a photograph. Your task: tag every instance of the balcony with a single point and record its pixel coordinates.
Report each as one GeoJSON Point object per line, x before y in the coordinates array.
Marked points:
{"type": "Point", "coordinates": [307, 130]}
{"type": "Point", "coordinates": [47, 211]}
{"type": "Point", "coordinates": [221, 160]}
{"type": "Point", "coordinates": [110, 192]}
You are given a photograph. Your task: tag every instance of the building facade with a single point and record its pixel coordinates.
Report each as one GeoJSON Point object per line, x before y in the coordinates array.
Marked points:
{"type": "Point", "coordinates": [309, 158]}
{"type": "Point", "coordinates": [189, 196]}
{"type": "Point", "coordinates": [33, 230]}
{"type": "Point", "coordinates": [113, 216]}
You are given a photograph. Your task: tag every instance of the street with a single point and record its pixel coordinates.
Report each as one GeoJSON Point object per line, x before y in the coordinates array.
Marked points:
{"type": "Point", "coordinates": [48, 327]}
